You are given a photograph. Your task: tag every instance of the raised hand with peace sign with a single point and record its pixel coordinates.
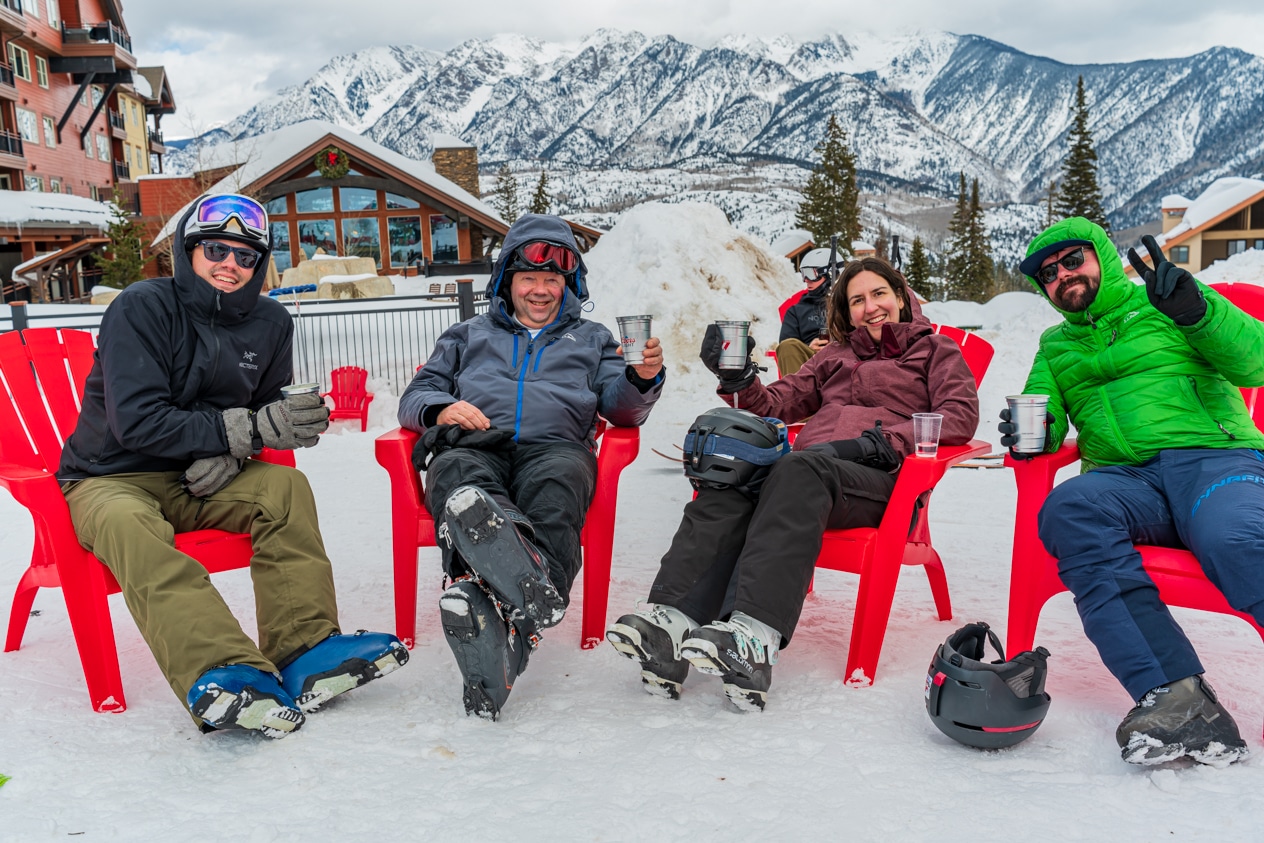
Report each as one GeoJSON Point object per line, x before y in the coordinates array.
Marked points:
{"type": "Point", "coordinates": [1172, 290]}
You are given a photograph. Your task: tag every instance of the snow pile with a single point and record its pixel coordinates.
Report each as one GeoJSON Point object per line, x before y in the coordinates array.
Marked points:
{"type": "Point", "coordinates": [1243, 268]}
{"type": "Point", "coordinates": [686, 266]}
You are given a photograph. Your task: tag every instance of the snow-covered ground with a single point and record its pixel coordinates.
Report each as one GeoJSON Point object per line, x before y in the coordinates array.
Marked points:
{"type": "Point", "coordinates": [582, 753]}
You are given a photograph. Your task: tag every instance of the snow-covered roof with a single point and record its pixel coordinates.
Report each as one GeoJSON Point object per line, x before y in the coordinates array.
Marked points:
{"type": "Point", "coordinates": [792, 241]}
{"type": "Point", "coordinates": [259, 155]}
{"type": "Point", "coordinates": [1220, 196]}
{"type": "Point", "coordinates": [142, 86]}
{"type": "Point", "coordinates": [862, 246]}
{"type": "Point", "coordinates": [1173, 202]}
{"type": "Point", "coordinates": [442, 140]}
{"type": "Point", "coordinates": [29, 207]}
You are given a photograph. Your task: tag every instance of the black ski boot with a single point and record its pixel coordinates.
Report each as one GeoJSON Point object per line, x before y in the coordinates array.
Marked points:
{"type": "Point", "coordinates": [652, 636]}
{"type": "Point", "coordinates": [490, 651]}
{"type": "Point", "coordinates": [734, 650]}
{"type": "Point", "coordinates": [492, 546]}
{"type": "Point", "coordinates": [1181, 718]}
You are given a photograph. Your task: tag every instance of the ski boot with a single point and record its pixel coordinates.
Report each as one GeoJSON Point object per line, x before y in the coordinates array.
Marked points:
{"type": "Point", "coordinates": [742, 651]}
{"type": "Point", "coordinates": [238, 696]}
{"type": "Point", "coordinates": [340, 663]}
{"type": "Point", "coordinates": [1177, 719]}
{"type": "Point", "coordinates": [653, 636]}
{"type": "Point", "coordinates": [490, 651]}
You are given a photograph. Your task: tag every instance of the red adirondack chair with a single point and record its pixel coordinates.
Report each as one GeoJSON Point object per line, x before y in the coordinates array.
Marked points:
{"type": "Point", "coordinates": [1034, 573]}
{"type": "Point", "coordinates": [413, 528]}
{"type": "Point", "coordinates": [49, 365]}
{"type": "Point", "coordinates": [350, 396]}
{"type": "Point", "coordinates": [878, 553]}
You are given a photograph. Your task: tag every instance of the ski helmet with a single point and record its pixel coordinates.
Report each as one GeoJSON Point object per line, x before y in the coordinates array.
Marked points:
{"type": "Point", "coordinates": [988, 705]}
{"type": "Point", "coordinates": [733, 448]}
{"type": "Point", "coordinates": [227, 216]}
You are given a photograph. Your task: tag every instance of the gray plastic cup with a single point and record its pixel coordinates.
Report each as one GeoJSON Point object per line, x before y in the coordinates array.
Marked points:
{"type": "Point", "coordinates": [634, 332]}
{"type": "Point", "coordinates": [300, 389]}
{"type": "Point", "coordinates": [734, 353]}
{"type": "Point", "coordinates": [926, 427]}
{"type": "Point", "coordinates": [1027, 413]}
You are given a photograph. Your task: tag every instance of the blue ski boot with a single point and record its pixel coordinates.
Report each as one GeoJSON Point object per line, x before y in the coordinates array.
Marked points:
{"type": "Point", "coordinates": [492, 547]}
{"type": "Point", "coordinates": [238, 696]}
{"type": "Point", "coordinates": [491, 652]}
{"type": "Point", "coordinates": [340, 663]}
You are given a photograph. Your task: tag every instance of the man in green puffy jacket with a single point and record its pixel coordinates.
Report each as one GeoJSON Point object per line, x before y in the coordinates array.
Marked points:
{"type": "Point", "coordinates": [1149, 375]}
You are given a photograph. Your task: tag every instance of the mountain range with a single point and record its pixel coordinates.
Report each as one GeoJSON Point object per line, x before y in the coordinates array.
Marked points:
{"type": "Point", "coordinates": [918, 108]}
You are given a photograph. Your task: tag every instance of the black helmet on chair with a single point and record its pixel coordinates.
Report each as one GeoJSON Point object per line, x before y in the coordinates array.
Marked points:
{"type": "Point", "coordinates": [986, 705]}
{"type": "Point", "coordinates": [733, 448]}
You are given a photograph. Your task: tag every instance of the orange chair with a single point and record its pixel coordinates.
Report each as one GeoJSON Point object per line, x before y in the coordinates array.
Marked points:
{"type": "Point", "coordinates": [41, 365]}
{"type": "Point", "coordinates": [351, 397]}
{"type": "Point", "coordinates": [1176, 573]}
{"type": "Point", "coordinates": [413, 528]}
{"type": "Point", "coordinates": [902, 538]}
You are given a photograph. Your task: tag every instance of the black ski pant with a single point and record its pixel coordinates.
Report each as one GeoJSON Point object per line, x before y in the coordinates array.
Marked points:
{"type": "Point", "coordinates": [732, 553]}
{"type": "Point", "coordinates": [546, 487]}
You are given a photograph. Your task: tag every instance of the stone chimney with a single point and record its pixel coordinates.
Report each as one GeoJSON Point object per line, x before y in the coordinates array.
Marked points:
{"type": "Point", "coordinates": [1172, 209]}
{"type": "Point", "coordinates": [456, 161]}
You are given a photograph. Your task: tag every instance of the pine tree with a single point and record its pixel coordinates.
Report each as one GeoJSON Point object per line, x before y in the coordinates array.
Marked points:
{"type": "Point", "coordinates": [124, 265]}
{"type": "Point", "coordinates": [831, 196]}
{"type": "Point", "coordinates": [1080, 195]}
{"type": "Point", "coordinates": [1050, 219]}
{"type": "Point", "coordinates": [541, 200]}
{"type": "Point", "coordinates": [505, 194]}
{"type": "Point", "coordinates": [978, 279]}
{"type": "Point", "coordinates": [917, 271]}
{"type": "Point", "coordinates": [955, 251]}
{"type": "Point", "coordinates": [882, 245]}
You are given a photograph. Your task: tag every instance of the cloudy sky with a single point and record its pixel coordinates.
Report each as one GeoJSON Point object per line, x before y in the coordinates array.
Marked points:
{"type": "Point", "coordinates": [224, 57]}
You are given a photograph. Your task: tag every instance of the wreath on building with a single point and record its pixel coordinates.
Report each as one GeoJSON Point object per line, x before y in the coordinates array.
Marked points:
{"type": "Point", "coordinates": [332, 162]}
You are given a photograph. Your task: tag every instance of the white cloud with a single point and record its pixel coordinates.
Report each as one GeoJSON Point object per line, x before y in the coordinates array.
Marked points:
{"type": "Point", "coordinates": [226, 57]}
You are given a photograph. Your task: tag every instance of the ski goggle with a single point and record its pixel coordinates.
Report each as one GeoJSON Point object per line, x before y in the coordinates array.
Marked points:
{"type": "Point", "coordinates": [213, 214]}
{"type": "Point", "coordinates": [217, 252]}
{"type": "Point", "coordinates": [541, 255]}
{"type": "Point", "coordinates": [813, 273]}
{"type": "Point", "coordinates": [1071, 260]}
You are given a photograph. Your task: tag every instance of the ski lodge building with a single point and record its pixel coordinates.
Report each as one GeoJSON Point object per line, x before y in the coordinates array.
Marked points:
{"type": "Point", "coordinates": [1225, 219]}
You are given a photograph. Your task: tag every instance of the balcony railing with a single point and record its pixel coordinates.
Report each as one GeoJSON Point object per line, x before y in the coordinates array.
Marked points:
{"type": "Point", "coordinates": [122, 170]}
{"type": "Point", "coordinates": [12, 5]}
{"type": "Point", "coordinates": [116, 121]}
{"type": "Point", "coordinates": [98, 32]}
{"type": "Point", "coordinates": [11, 144]}
{"type": "Point", "coordinates": [155, 136]}
{"type": "Point", "coordinates": [6, 72]}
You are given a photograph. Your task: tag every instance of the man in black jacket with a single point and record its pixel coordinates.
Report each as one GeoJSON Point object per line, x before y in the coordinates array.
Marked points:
{"type": "Point", "coordinates": [803, 329]}
{"type": "Point", "coordinates": [187, 383]}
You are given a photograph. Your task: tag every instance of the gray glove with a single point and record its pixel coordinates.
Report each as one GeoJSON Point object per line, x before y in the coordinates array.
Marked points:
{"type": "Point", "coordinates": [210, 474]}
{"type": "Point", "coordinates": [292, 422]}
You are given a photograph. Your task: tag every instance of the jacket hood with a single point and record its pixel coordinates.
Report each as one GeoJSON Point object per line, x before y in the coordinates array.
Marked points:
{"type": "Point", "coordinates": [897, 336]}
{"type": "Point", "coordinates": [203, 300]}
{"type": "Point", "coordinates": [550, 229]}
{"type": "Point", "coordinates": [1116, 286]}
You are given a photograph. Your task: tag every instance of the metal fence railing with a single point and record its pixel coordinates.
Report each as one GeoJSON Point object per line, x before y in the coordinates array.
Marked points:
{"type": "Point", "coordinates": [388, 337]}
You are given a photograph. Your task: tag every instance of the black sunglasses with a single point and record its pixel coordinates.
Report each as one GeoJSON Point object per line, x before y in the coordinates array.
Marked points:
{"type": "Point", "coordinates": [1071, 260]}
{"type": "Point", "coordinates": [217, 252]}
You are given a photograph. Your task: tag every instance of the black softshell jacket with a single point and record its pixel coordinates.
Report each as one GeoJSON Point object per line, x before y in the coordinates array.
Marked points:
{"type": "Point", "coordinates": [172, 354]}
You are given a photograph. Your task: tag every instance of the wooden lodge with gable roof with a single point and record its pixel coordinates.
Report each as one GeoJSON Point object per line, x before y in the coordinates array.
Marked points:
{"type": "Point", "coordinates": [1225, 219]}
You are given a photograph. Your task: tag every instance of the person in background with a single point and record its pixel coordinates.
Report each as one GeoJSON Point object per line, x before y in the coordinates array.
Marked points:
{"type": "Point", "coordinates": [184, 388]}
{"type": "Point", "coordinates": [507, 406]}
{"type": "Point", "coordinates": [804, 331]}
{"type": "Point", "coordinates": [730, 588]}
{"type": "Point", "coordinates": [1149, 375]}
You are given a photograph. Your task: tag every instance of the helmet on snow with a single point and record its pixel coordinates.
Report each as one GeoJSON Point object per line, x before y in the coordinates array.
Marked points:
{"type": "Point", "coordinates": [988, 705]}
{"type": "Point", "coordinates": [733, 448]}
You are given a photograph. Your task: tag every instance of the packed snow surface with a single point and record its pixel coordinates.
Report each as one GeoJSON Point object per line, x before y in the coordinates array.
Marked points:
{"type": "Point", "coordinates": [582, 752]}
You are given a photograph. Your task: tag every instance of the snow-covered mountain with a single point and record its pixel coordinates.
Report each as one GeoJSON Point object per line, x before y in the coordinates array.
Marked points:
{"type": "Point", "coordinates": [919, 108]}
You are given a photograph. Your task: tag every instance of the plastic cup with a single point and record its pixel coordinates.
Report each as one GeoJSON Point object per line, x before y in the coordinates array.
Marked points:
{"type": "Point", "coordinates": [300, 389]}
{"type": "Point", "coordinates": [634, 332]}
{"type": "Point", "coordinates": [1027, 413]}
{"type": "Point", "coordinates": [926, 427]}
{"type": "Point", "coordinates": [734, 353]}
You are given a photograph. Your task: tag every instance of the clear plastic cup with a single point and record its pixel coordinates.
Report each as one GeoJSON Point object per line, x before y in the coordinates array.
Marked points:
{"type": "Point", "coordinates": [1027, 413]}
{"type": "Point", "coordinates": [926, 427]}
{"type": "Point", "coordinates": [634, 333]}
{"type": "Point", "coordinates": [734, 353]}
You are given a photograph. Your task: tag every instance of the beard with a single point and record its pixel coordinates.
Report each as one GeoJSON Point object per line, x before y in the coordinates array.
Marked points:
{"type": "Point", "coordinates": [1076, 293]}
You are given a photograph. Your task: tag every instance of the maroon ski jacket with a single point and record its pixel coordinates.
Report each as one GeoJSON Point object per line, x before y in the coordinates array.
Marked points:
{"type": "Point", "coordinates": [847, 388]}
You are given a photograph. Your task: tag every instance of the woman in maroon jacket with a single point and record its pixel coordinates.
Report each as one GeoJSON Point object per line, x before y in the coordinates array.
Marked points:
{"type": "Point", "coordinates": [744, 560]}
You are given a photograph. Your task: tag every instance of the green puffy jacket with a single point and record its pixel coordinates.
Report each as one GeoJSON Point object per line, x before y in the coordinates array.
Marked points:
{"type": "Point", "coordinates": [1134, 383]}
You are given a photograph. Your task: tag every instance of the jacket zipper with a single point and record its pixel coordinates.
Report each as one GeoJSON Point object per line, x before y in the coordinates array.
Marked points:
{"type": "Point", "coordinates": [1193, 386]}
{"type": "Point", "coordinates": [522, 378]}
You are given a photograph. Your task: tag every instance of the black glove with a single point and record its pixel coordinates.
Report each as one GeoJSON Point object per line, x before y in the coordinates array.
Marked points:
{"type": "Point", "coordinates": [444, 437]}
{"type": "Point", "coordinates": [1009, 435]}
{"type": "Point", "coordinates": [210, 474]}
{"type": "Point", "coordinates": [1172, 290]}
{"type": "Point", "coordinates": [731, 380]}
{"type": "Point", "coordinates": [870, 448]}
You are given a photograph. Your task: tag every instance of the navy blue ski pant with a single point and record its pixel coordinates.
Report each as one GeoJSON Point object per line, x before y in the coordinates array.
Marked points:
{"type": "Point", "coordinates": [1209, 501]}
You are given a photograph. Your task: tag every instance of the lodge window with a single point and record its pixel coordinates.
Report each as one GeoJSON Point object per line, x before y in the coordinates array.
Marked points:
{"type": "Point", "coordinates": [103, 148]}
{"type": "Point", "coordinates": [54, 185]}
{"type": "Point", "coordinates": [1179, 254]}
{"type": "Point", "coordinates": [50, 132]}
{"type": "Point", "coordinates": [280, 243]}
{"type": "Point", "coordinates": [405, 238]}
{"type": "Point", "coordinates": [319, 200]}
{"type": "Point", "coordinates": [395, 201]}
{"type": "Point", "coordinates": [34, 183]}
{"type": "Point", "coordinates": [360, 238]}
{"type": "Point", "coordinates": [28, 125]}
{"type": "Point", "coordinates": [357, 199]}
{"type": "Point", "coordinates": [54, 14]}
{"type": "Point", "coordinates": [97, 94]}
{"type": "Point", "coordinates": [1235, 247]}
{"type": "Point", "coordinates": [279, 205]}
{"type": "Point", "coordinates": [20, 61]}
{"type": "Point", "coordinates": [317, 234]}
{"type": "Point", "coordinates": [41, 71]}
{"type": "Point", "coordinates": [443, 247]}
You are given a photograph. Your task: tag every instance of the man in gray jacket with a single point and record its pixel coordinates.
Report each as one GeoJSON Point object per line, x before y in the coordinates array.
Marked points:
{"type": "Point", "coordinates": [507, 404]}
